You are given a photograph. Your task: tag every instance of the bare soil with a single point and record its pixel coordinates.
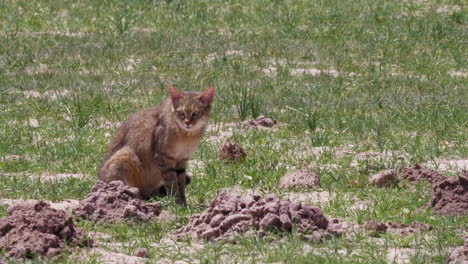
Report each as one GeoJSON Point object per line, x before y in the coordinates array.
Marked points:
{"type": "Point", "coordinates": [116, 202]}
{"type": "Point", "coordinates": [231, 214]}
{"type": "Point", "coordinates": [37, 229]}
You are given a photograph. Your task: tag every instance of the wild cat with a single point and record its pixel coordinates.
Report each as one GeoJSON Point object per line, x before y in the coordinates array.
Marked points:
{"type": "Point", "coordinates": [152, 147]}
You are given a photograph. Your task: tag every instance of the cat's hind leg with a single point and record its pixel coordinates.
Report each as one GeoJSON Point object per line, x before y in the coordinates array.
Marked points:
{"type": "Point", "coordinates": [124, 166]}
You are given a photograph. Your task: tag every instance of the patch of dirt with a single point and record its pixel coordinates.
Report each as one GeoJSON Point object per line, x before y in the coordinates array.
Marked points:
{"type": "Point", "coordinates": [298, 179]}
{"type": "Point", "coordinates": [67, 205]}
{"type": "Point", "coordinates": [387, 156]}
{"type": "Point", "coordinates": [450, 196]}
{"type": "Point", "coordinates": [317, 198]}
{"type": "Point", "coordinates": [453, 165]}
{"type": "Point", "coordinates": [47, 176]}
{"type": "Point", "coordinates": [37, 229]}
{"type": "Point", "coordinates": [400, 255]}
{"type": "Point", "coordinates": [116, 202]}
{"type": "Point", "coordinates": [50, 94]}
{"type": "Point", "coordinates": [376, 227]}
{"type": "Point", "coordinates": [418, 173]}
{"type": "Point", "coordinates": [33, 123]}
{"type": "Point", "coordinates": [463, 74]}
{"type": "Point", "coordinates": [231, 214]}
{"type": "Point", "coordinates": [219, 132]}
{"type": "Point", "coordinates": [9, 157]}
{"type": "Point", "coordinates": [460, 254]}
{"type": "Point", "coordinates": [260, 122]}
{"type": "Point", "coordinates": [383, 178]}
{"type": "Point", "coordinates": [313, 72]}
{"type": "Point", "coordinates": [108, 257]}
{"type": "Point", "coordinates": [232, 151]}
{"type": "Point", "coordinates": [406, 230]}
{"type": "Point", "coordinates": [166, 216]}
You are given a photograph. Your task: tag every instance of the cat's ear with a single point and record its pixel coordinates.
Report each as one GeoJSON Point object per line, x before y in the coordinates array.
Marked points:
{"type": "Point", "coordinates": [175, 95]}
{"type": "Point", "coordinates": [207, 96]}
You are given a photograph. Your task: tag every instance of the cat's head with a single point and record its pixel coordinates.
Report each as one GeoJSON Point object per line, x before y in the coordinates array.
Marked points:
{"type": "Point", "coordinates": [191, 109]}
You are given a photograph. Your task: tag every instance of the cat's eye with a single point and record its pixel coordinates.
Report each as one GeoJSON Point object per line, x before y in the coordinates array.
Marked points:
{"type": "Point", "coordinates": [182, 115]}
{"type": "Point", "coordinates": [195, 114]}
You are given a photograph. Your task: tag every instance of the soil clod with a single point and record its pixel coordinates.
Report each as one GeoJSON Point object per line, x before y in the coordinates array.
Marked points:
{"type": "Point", "coordinates": [37, 229]}
{"type": "Point", "coordinates": [232, 151]}
{"type": "Point", "coordinates": [141, 252]}
{"type": "Point", "coordinates": [116, 202]}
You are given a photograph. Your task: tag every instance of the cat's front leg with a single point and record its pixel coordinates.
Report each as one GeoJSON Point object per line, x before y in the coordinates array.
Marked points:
{"type": "Point", "coordinates": [171, 182]}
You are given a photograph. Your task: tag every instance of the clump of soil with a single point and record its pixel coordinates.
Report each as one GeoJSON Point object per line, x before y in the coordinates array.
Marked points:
{"type": "Point", "coordinates": [116, 202]}
{"type": "Point", "coordinates": [141, 252]}
{"type": "Point", "coordinates": [300, 178]}
{"type": "Point", "coordinates": [383, 178]}
{"type": "Point", "coordinates": [230, 214]}
{"type": "Point", "coordinates": [260, 121]}
{"type": "Point", "coordinates": [417, 173]}
{"type": "Point", "coordinates": [37, 229]}
{"type": "Point", "coordinates": [460, 254]}
{"type": "Point", "coordinates": [232, 151]}
{"type": "Point", "coordinates": [377, 227]}
{"type": "Point", "coordinates": [450, 196]}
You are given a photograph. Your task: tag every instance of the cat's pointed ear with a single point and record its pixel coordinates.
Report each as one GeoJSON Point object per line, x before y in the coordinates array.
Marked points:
{"type": "Point", "coordinates": [175, 95]}
{"type": "Point", "coordinates": [207, 96]}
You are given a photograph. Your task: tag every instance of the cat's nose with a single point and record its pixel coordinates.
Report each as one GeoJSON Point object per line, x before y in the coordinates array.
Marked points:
{"type": "Point", "coordinates": [187, 123]}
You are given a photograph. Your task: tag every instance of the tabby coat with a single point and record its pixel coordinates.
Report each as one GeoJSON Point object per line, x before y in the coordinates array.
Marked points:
{"type": "Point", "coordinates": [152, 147]}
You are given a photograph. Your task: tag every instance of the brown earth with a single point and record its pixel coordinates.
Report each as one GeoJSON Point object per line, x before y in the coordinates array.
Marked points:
{"type": "Point", "coordinates": [418, 173]}
{"type": "Point", "coordinates": [116, 202]}
{"type": "Point", "coordinates": [232, 151]}
{"type": "Point", "coordinates": [260, 122]}
{"type": "Point", "coordinates": [383, 178]}
{"type": "Point", "coordinates": [37, 229]}
{"type": "Point", "coordinates": [230, 214]}
{"type": "Point", "coordinates": [300, 178]}
{"type": "Point", "coordinates": [450, 196]}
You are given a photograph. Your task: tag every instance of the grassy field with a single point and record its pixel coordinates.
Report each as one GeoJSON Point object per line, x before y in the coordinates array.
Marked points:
{"type": "Point", "coordinates": [358, 75]}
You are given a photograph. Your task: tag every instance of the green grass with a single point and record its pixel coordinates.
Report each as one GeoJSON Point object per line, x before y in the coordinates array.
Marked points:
{"type": "Point", "coordinates": [394, 91]}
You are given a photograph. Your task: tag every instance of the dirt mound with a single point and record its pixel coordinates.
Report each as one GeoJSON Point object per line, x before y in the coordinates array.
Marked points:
{"type": "Point", "coordinates": [116, 202]}
{"type": "Point", "coordinates": [383, 178]}
{"type": "Point", "coordinates": [230, 214]}
{"type": "Point", "coordinates": [37, 229]}
{"type": "Point", "coordinates": [417, 173]}
{"type": "Point", "coordinates": [232, 151]}
{"type": "Point", "coordinates": [460, 254]}
{"type": "Point", "coordinates": [450, 196]}
{"type": "Point", "coordinates": [300, 178]}
{"type": "Point", "coordinates": [260, 121]}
